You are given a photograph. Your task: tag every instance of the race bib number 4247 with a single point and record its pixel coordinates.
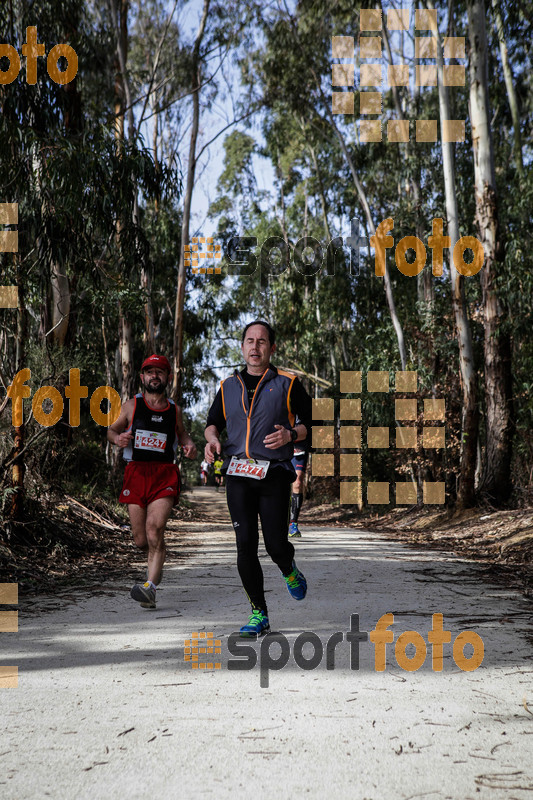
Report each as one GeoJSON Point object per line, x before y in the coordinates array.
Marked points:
{"type": "Point", "coordinates": [148, 440]}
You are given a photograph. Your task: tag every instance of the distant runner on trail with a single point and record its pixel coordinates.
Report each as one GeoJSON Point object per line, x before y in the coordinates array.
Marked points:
{"type": "Point", "coordinates": [299, 462]}
{"type": "Point", "coordinates": [219, 479]}
{"type": "Point", "coordinates": [149, 428]}
{"type": "Point", "coordinates": [204, 469]}
{"type": "Point", "coordinates": [258, 407]}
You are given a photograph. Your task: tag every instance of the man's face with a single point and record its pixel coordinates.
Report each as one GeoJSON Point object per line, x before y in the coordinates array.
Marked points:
{"type": "Point", "coordinates": [154, 380]}
{"type": "Point", "coordinates": [256, 349]}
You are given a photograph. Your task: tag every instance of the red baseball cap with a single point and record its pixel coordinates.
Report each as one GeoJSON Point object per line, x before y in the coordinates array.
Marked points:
{"type": "Point", "coordinates": [156, 361]}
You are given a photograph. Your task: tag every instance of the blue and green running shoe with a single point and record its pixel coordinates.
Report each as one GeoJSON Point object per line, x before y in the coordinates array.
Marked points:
{"type": "Point", "coordinates": [293, 530]}
{"type": "Point", "coordinates": [257, 625]}
{"type": "Point", "coordinates": [296, 583]}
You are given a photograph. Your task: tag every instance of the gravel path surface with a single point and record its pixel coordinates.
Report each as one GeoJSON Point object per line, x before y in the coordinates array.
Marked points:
{"type": "Point", "coordinates": [107, 706]}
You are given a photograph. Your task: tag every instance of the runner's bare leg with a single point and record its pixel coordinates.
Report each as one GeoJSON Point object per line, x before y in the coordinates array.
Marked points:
{"type": "Point", "coordinates": [138, 525]}
{"type": "Point", "coordinates": [157, 516]}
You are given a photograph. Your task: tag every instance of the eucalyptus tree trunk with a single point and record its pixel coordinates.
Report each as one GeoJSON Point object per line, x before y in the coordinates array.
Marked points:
{"type": "Point", "coordinates": [16, 508]}
{"type": "Point", "coordinates": [509, 85]}
{"type": "Point", "coordinates": [177, 354]}
{"type": "Point", "coordinates": [496, 477]}
{"type": "Point", "coordinates": [366, 210]}
{"type": "Point", "coordinates": [146, 269]}
{"type": "Point", "coordinates": [470, 409]}
{"type": "Point", "coordinates": [60, 303]}
{"type": "Point", "coordinates": [122, 101]}
{"type": "Point", "coordinates": [372, 230]}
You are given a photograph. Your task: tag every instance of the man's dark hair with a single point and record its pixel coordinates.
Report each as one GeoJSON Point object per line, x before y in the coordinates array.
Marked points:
{"type": "Point", "coordinates": [271, 332]}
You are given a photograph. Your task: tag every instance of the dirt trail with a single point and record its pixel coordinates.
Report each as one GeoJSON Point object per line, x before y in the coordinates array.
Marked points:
{"type": "Point", "coordinates": [108, 704]}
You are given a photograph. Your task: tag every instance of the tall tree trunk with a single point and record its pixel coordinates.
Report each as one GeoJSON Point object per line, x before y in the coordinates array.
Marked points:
{"type": "Point", "coordinates": [496, 477]}
{"type": "Point", "coordinates": [470, 409]}
{"type": "Point", "coordinates": [323, 204]}
{"type": "Point", "coordinates": [177, 354]}
{"type": "Point", "coordinates": [329, 119]}
{"type": "Point", "coordinates": [509, 85]}
{"type": "Point", "coordinates": [122, 101]}
{"type": "Point", "coordinates": [372, 230]}
{"type": "Point", "coordinates": [146, 269]}
{"type": "Point", "coordinates": [59, 281]}
{"type": "Point", "coordinates": [16, 509]}
{"type": "Point", "coordinates": [60, 303]}
{"type": "Point", "coordinates": [126, 358]}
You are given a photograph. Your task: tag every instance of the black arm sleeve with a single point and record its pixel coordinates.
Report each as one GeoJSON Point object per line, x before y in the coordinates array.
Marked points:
{"type": "Point", "coordinates": [216, 414]}
{"type": "Point", "coordinates": [301, 407]}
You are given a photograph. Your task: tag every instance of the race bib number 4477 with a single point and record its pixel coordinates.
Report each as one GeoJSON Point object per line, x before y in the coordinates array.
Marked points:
{"type": "Point", "coordinates": [248, 468]}
{"type": "Point", "coordinates": [148, 440]}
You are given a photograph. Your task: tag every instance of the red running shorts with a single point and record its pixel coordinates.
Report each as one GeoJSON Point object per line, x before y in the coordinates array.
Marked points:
{"type": "Point", "coordinates": [146, 481]}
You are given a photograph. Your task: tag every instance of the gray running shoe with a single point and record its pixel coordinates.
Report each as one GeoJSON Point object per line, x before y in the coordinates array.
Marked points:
{"type": "Point", "coordinates": [157, 583]}
{"type": "Point", "coordinates": [144, 594]}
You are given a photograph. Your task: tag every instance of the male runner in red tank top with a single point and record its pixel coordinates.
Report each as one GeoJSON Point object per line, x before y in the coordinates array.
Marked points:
{"type": "Point", "coordinates": [149, 428]}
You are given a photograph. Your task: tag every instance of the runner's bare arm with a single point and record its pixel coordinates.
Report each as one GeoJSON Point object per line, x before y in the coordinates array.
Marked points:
{"type": "Point", "coordinates": [189, 448]}
{"type": "Point", "coordinates": [213, 443]}
{"type": "Point", "coordinates": [115, 432]}
{"type": "Point", "coordinates": [283, 436]}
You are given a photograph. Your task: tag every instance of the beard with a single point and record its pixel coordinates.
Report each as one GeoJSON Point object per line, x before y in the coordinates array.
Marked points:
{"type": "Point", "coordinates": [154, 385]}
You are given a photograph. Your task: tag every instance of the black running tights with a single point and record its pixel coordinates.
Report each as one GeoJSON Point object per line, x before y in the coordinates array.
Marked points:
{"type": "Point", "coordinates": [269, 500]}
